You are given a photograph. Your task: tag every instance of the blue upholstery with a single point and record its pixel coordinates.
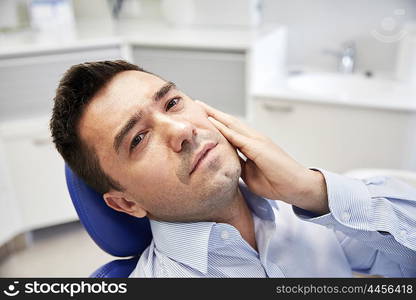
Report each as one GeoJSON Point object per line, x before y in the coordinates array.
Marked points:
{"type": "Point", "coordinates": [119, 268]}
{"type": "Point", "coordinates": [116, 233]}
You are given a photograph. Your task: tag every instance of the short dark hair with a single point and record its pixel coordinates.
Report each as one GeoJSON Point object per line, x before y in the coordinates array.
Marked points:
{"type": "Point", "coordinates": [78, 86]}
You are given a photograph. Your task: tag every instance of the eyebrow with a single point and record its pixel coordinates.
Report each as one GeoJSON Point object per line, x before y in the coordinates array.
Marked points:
{"type": "Point", "coordinates": [137, 116]}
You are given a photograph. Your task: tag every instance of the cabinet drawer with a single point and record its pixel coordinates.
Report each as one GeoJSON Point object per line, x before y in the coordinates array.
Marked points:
{"type": "Point", "coordinates": [217, 78]}
{"type": "Point", "coordinates": [28, 83]}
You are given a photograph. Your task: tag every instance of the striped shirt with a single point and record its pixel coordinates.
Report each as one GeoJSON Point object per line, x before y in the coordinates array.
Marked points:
{"type": "Point", "coordinates": [371, 229]}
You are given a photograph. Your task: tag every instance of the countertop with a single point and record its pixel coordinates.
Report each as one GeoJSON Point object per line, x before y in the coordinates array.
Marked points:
{"type": "Point", "coordinates": [273, 92]}
{"type": "Point", "coordinates": [97, 34]}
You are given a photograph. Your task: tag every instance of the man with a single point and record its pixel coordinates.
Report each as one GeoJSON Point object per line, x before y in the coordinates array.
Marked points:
{"type": "Point", "coordinates": [154, 152]}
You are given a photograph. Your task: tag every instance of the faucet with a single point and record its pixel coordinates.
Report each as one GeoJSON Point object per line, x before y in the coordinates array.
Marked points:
{"type": "Point", "coordinates": [116, 8]}
{"type": "Point", "coordinates": [346, 57]}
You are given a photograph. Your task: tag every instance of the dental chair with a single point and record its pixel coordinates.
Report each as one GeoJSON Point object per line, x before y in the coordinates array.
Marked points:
{"type": "Point", "coordinates": [116, 233]}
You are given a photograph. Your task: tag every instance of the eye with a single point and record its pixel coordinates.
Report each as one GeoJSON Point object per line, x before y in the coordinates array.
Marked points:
{"type": "Point", "coordinates": [172, 103]}
{"type": "Point", "coordinates": [136, 140]}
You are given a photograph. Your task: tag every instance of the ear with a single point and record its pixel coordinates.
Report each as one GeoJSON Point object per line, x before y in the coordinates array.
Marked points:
{"type": "Point", "coordinates": [118, 201]}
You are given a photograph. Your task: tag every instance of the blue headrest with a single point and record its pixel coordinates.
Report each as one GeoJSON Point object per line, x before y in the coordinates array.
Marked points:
{"type": "Point", "coordinates": [117, 233]}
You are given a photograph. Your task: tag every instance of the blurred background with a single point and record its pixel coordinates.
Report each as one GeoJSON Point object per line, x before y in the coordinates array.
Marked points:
{"type": "Point", "coordinates": [333, 82]}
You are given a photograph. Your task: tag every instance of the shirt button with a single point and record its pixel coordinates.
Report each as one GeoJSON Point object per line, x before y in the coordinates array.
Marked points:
{"type": "Point", "coordinates": [345, 216]}
{"type": "Point", "coordinates": [403, 234]}
{"type": "Point", "coordinates": [225, 235]}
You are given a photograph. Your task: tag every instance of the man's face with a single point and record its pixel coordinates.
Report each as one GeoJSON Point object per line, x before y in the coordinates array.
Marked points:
{"type": "Point", "coordinates": [148, 136]}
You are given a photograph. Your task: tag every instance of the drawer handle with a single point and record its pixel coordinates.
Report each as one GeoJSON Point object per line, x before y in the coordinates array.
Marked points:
{"type": "Point", "coordinates": [279, 108]}
{"type": "Point", "coordinates": [41, 141]}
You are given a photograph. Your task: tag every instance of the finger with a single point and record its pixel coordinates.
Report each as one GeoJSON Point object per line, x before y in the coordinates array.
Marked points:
{"type": "Point", "coordinates": [224, 118]}
{"type": "Point", "coordinates": [235, 138]}
{"type": "Point", "coordinates": [228, 120]}
{"type": "Point", "coordinates": [245, 144]}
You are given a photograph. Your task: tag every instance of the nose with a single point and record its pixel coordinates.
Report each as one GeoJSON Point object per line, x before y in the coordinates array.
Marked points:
{"type": "Point", "coordinates": [176, 131]}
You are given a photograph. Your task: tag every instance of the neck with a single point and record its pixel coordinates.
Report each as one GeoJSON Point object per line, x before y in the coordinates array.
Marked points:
{"type": "Point", "coordinates": [239, 216]}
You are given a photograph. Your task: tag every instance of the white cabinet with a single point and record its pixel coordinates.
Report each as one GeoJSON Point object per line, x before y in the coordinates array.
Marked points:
{"type": "Point", "coordinates": [32, 180]}
{"type": "Point", "coordinates": [10, 218]}
{"type": "Point", "coordinates": [339, 138]}
{"type": "Point", "coordinates": [28, 82]}
{"type": "Point", "coordinates": [213, 76]}
{"type": "Point", "coordinates": [36, 174]}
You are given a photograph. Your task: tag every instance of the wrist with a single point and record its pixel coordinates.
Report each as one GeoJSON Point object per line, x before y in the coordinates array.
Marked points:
{"type": "Point", "coordinates": [312, 193]}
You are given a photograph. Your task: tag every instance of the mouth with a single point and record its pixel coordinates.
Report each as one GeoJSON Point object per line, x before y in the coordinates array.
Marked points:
{"type": "Point", "coordinates": [200, 156]}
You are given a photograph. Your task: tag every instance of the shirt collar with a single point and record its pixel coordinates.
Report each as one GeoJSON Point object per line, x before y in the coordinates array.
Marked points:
{"type": "Point", "coordinates": [188, 243]}
{"type": "Point", "coordinates": [259, 205]}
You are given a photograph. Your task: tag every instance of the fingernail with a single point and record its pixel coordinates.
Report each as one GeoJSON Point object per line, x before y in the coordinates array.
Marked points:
{"type": "Point", "coordinates": [211, 119]}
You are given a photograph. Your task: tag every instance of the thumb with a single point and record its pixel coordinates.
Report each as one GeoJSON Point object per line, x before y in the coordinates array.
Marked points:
{"type": "Point", "coordinates": [236, 139]}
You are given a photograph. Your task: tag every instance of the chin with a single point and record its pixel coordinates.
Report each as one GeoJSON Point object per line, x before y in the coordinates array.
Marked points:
{"type": "Point", "coordinates": [232, 168]}
{"type": "Point", "coordinates": [206, 200]}
{"type": "Point", "coordinates": [228, 176]}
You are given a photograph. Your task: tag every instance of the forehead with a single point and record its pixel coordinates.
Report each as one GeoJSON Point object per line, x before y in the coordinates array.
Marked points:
{"type": "Point", "coordinates": [126, 85]}
{"type": "Point", "coordinates": [114, 104]}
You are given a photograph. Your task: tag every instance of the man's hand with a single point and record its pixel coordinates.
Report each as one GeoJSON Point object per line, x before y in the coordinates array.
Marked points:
{"type": "Point", "coordinates": [269, 171]}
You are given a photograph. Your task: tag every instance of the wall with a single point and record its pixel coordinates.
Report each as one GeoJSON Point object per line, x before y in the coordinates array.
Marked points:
{"type": "Point", "coordinates": [324, 24]}
{"type": "Point", "coordinates": [316, 25]}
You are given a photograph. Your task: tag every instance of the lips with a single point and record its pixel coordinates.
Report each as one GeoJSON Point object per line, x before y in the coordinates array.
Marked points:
{"type": "Point", "coordinates": [201, 154]}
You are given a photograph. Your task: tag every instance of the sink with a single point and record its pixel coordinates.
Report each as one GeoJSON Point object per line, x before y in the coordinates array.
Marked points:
{"type": "Point", "coordinates": [350, 87]}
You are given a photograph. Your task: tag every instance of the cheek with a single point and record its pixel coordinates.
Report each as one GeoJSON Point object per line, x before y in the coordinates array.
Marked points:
{"type": "Point", "coordinates": [200, 118]}
{"type": "Point", "coordinates": [150, 176]}
{"type": "Point", "coordinates": [148, 170]}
